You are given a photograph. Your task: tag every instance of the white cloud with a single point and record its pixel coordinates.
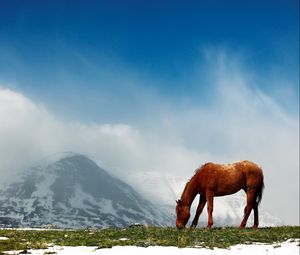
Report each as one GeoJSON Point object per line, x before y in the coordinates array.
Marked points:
{"type": "Point", "coordinates": [23, 125]}
{"type": "Point", "coordinates": [240, 122]}
{"type": "Point", "coordinates": [30, 132]}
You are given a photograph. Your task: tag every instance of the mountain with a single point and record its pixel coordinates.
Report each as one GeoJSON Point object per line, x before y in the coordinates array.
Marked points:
{"type": "Point", "coordinates": [74, 192]}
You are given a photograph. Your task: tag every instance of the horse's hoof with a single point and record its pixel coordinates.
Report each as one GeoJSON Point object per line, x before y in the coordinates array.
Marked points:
{"type": "Point", "coordinates": [192, 227]}
{"type": "Point", "coordinates": [254, 226]}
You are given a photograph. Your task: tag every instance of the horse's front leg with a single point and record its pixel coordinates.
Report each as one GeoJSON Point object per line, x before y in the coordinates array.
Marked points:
{"type": "Point", "coordinates": [202, 202]}
{"type": "Point", "coordinates": [210, 207]}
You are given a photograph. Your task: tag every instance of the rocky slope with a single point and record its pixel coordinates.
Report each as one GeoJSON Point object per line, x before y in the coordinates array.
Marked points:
{"type": "Point", "coordinates": [74, 192]}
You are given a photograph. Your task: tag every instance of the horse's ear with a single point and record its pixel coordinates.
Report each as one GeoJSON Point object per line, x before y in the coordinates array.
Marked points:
{"type": "Point", "coordinates": [178, 202]}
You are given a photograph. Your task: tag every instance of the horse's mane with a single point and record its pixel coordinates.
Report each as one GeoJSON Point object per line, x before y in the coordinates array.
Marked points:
{"type": "Point", "coordinates": [186, 185]}
{"type": "Point", "coordinates": [195, 173]}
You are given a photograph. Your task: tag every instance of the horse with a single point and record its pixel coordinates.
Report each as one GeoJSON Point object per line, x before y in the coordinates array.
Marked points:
{"type": "Point", "coordinates": [212, 180]}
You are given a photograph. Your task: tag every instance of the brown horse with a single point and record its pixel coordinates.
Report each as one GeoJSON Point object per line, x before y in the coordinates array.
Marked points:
{"type": "Point", "coordinates": [220, 180]}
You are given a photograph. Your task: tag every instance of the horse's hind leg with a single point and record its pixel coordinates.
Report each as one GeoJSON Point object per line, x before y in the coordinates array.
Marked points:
{"type": "Point", "coordinates": [248, 208]}
{"type": "Point", "coordinates": [255, 208]}
{"type": "Point", "coordinates": [202, 202]}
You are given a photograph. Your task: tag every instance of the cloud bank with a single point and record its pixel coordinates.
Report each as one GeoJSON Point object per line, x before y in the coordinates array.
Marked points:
{"type": "Point", "coordinates": [239, 122]}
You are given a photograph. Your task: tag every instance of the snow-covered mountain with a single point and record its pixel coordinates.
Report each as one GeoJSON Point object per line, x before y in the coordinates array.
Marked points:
{"type": "Point", "coordinates": [73, 192]}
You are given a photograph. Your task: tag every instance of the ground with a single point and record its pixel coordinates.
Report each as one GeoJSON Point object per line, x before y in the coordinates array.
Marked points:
{"type": "Point", "coordinates": [152, 240]}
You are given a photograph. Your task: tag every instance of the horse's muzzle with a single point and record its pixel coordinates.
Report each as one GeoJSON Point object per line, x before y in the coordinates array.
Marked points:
{"type": "Point", "coordinates": [180, 226]}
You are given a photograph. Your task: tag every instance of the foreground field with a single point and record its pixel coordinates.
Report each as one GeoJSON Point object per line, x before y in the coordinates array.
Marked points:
{"type": "Point", "coordinates": [16, 239]}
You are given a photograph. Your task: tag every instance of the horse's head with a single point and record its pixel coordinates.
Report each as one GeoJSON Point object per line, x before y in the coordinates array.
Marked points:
{"type": "Point", "coordinates": [182, 214]}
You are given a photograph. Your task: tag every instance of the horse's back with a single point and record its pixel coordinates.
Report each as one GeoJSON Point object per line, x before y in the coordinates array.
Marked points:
{"type": "Point", "coordinates": [254, 174]}
{"type": "Point", "coordinates": [227, 179]}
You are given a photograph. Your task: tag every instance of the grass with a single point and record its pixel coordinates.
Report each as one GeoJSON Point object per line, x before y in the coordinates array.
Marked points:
{"type": "Point", "coordinates": [145, 236]}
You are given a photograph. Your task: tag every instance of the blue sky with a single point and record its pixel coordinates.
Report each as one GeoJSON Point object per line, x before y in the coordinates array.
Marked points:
{"type": "Point", "coordinates": [154, 88]}
{"type": "Point", "coordinates": [54, 50]}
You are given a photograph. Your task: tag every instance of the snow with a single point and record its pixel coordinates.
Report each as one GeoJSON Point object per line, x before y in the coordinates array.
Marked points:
{"type": "Point", "coordinates": [289, 247]}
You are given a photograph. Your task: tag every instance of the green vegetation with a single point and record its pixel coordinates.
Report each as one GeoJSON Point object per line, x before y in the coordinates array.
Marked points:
{"type": "Point", "coordinates": [145, 236]}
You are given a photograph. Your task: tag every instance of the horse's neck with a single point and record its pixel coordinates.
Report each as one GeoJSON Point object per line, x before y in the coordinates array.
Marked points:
{"type": "Point", "coordinates": [189, 193]}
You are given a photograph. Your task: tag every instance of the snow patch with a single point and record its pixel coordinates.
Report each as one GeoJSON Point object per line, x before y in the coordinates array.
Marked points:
{"type": "Point", "coordinates": [81, 199]}
{"type": "Point", "coordinates": [288, 247]}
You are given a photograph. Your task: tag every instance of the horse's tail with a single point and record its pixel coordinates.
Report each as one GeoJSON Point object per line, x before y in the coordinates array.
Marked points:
{"type": "Point", "coordinates": [259, 191]}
